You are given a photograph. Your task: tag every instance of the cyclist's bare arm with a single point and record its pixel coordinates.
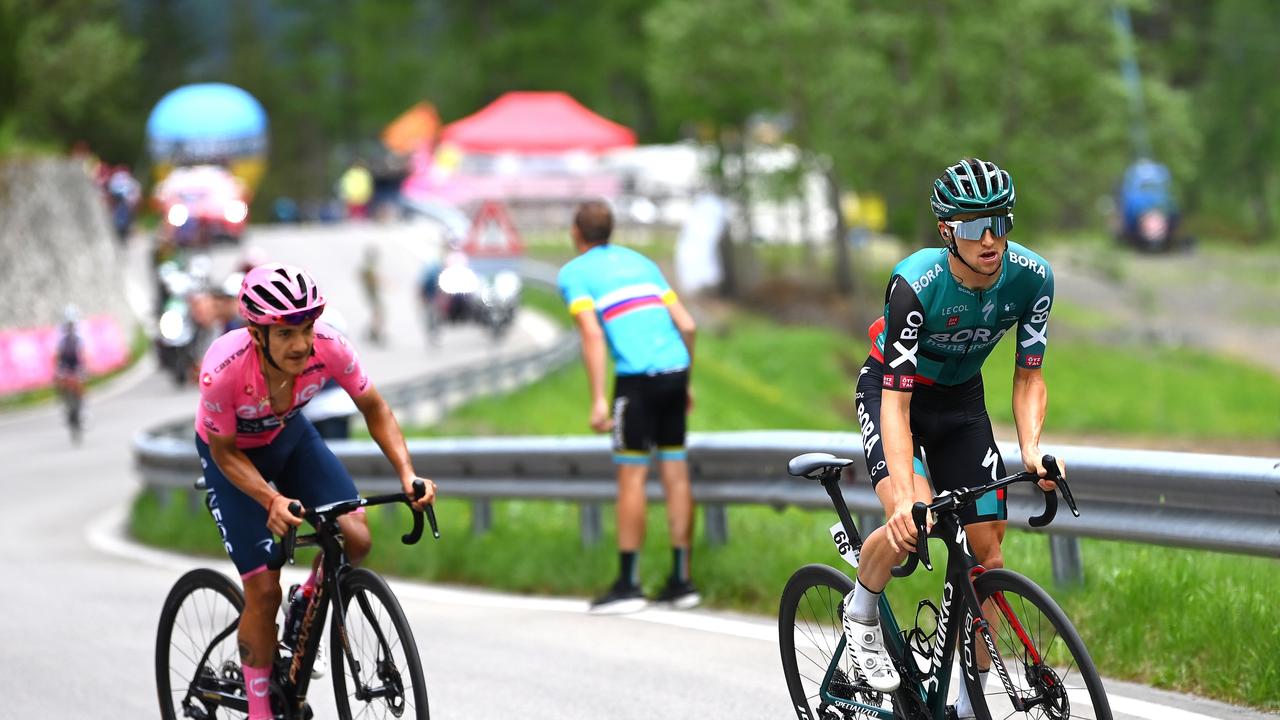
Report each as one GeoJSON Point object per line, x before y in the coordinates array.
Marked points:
{"type": "Point", "coordinates": [895, 430]}
{"type": "Point", "coordinates": [593, 356]}
{"type": "Point", "coordinates": [1030, 399]}
{"type": "Point", "coordinates": [685, 324]}
{"type": "Point", "coordinates": [386, 432]}
{"type": "Point", "coordinates": [233, 463]}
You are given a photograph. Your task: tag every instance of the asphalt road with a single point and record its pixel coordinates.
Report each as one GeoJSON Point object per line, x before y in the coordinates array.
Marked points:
{"type": "Point", "coordinates": [79, 603]}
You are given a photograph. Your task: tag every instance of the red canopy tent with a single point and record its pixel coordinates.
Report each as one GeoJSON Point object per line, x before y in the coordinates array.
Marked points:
{"type": "Point", "coordinates": [536, 122]}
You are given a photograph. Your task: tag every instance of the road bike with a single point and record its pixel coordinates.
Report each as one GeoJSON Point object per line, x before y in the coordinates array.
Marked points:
{"type": "Point", "coordinates": [375, 665]}
{"type": "Point", "coordinates": [1040, 667]}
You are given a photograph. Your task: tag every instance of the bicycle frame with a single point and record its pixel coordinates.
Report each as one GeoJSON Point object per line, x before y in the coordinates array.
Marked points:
{"type": "Point", "coordinates": [292, 679]}
{"type": "Point", "coordinates": [958, 598]}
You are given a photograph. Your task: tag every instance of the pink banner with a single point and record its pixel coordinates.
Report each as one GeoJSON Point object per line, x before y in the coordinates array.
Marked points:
{"type": "Point", "coordinates": [26, 356]}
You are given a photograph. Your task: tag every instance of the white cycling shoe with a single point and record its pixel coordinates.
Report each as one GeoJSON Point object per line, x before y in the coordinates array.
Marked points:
{"type": "Point", "coordinates": [866, 647]}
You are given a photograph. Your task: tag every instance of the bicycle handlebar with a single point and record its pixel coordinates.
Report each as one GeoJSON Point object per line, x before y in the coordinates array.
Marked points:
{"type": "Point", "coordinates": [952, 502]}
{"type": "Point", "coordinates": [283, 551]}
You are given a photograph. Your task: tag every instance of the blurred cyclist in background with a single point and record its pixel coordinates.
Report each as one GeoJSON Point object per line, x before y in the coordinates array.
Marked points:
{"type": "Point", "coordinates": [69, 369]}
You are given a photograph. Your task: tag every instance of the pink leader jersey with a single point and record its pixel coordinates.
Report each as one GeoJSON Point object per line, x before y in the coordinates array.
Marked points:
{"type": "Point", "coordinates": [233, 391]}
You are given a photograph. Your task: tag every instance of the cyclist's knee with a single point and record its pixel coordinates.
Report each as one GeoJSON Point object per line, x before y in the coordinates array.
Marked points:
{"type": "Point", "coordinates": [262, 592]}
{"type": "Point", "coordinates": [355, 537]}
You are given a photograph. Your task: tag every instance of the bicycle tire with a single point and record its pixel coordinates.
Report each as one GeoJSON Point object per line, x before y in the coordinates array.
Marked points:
{"type": "Point", "coordinates": [187, 593]}
{"type": "Point", "coordinates": [360, 590]}
{"type": "Point", "coordinates": [812, 606]}
{"type": "Point", "coordinates": [1026, 614]}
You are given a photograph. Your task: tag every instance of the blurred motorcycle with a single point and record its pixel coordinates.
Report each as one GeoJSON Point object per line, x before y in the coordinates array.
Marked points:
{"type": "Point", "coordinates": [185, 326]}
{"type": "Point", "coordinates": [1148, 216]}
{"type": "Point", "coordinates": [499, 298]}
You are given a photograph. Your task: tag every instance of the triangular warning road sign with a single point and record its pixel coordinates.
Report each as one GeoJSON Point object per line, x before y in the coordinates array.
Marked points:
{"type": "Point", "coordinates": [492, 233]}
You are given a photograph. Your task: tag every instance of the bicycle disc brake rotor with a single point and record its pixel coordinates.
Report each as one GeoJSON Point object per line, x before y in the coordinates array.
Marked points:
{"type": "Point", "coordinates": [1051, 694]}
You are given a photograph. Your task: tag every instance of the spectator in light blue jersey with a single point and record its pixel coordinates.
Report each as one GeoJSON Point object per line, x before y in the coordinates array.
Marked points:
{"type": "Point", "coordinates": [619, 299]}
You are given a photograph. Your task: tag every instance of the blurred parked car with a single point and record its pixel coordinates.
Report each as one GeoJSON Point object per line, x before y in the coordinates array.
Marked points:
{"type": "Point", "coordinates": [200, 205]}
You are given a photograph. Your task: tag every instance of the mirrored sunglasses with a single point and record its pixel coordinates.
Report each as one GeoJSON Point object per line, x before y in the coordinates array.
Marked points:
{"type": "Point", "coordinates": [973, 229]}
{"type": "Point", "coordinates": [299, 318]}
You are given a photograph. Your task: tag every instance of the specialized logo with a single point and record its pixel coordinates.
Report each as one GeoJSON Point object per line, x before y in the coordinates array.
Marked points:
{"type": "Point", "coordinates": [990, 461]}
{"type": "Point", "coordinates": [986, 310]}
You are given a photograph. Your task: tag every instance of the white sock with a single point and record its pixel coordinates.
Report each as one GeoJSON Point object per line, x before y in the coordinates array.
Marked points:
{"type": "Point", "coordinates": [865, 606]}
{"type": "Point", "coordinates": [964, 708]}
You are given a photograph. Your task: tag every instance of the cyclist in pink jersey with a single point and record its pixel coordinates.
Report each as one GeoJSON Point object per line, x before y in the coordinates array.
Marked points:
{"type": "Point", "coordinates": [259, 453]}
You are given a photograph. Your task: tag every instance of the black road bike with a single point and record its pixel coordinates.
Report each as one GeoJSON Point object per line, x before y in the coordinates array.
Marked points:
{"type": "Point", "coordinates": [1039, 666]}
{"type": "Point", "coordinates": [375, 666]}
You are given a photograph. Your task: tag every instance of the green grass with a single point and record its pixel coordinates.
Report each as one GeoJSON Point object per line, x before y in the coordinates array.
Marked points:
{"type": "Point", "coordinates": [548, 303]}
{"type": "Point", "coordinates": [760, 375]}
{"type": "Point", "coordinates": [1143, 391]}
{"type": "Point", "coordinates": [757, 375]}
{"type": "Point", "coordinates": [1149, 614]}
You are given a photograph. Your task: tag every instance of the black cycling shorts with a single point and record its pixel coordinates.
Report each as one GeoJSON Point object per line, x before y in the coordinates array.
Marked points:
{"type": "Point", "coordinates": [648, 411]}
{"type": "Point", "coordinates": [954, 444]}
{"type": "Point", "coordinates": [300, 465]}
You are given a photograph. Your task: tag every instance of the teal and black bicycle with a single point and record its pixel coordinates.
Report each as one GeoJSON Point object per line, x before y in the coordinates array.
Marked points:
{"type": "Point", "coordinates": [1040, 667]}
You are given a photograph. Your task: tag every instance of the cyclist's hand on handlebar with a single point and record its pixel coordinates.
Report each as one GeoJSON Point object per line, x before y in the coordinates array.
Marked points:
{"type": "Point", "coordinates": [278, 516]}
{"type": "Point", "coordinates": [1032, 460]}
{"type": "Point", "coordinates": [427, 498]}
{"type": "Point", "coordinates": [902, 528]}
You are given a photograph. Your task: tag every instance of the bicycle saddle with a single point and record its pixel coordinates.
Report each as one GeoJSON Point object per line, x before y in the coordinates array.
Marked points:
{"type": "Point", "coordinates": [804, 465]}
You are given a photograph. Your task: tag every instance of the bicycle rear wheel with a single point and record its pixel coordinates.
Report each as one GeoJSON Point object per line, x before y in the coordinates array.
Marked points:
{"type": "Point", "coordinates": [386, 677]}
{"type": "Point", "coordinates": [1047, 669]}
{"type": "Point", "coordinates": [203, 605]}
{"type": "Point", "coordinates": [810, 634]}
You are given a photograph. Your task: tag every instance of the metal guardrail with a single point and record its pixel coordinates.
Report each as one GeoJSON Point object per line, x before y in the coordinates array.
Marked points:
{"type": "Point", "coordinates": [1212, 502]}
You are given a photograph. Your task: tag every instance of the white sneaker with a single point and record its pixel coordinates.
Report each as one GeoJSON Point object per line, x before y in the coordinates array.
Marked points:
{"type": "Point", "coordinates": [866, 646]}
{"type": "Point", "coordinates": [321, 665]}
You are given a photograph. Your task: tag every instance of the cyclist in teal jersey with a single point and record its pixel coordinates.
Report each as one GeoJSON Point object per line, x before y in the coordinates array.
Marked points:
{"type": "Point", "coordinates": [920, 398]}
{"type": "Point", "coordinates": [619, 297]}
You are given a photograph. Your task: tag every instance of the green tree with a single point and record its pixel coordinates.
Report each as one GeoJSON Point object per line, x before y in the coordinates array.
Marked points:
{"type": "Point", "coordinates": [1238, 104]}
{"type": "Point", "coordinates": [65, 68]}
{"type": "Point", "coordinates": [893, 93]}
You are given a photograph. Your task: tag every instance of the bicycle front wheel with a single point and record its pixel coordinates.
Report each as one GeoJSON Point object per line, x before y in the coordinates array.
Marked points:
{"type": "Point", "coordinates": [196, 647]}
{"type": "Point", "coordinates": [1040, 666]}
{"type": "Point", "coordinates": [820, 678]}
{"type": "Point", "coordinates": [385, 679]}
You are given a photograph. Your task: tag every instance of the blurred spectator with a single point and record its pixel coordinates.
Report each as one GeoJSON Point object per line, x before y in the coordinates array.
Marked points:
{"type": "Point", "coordinates": [371, 283]}
{"type": "Point", "coordinates": [356, 189]}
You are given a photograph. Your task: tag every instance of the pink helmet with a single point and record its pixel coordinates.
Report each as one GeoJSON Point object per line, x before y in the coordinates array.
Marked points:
{"type": "Point", "coordinates": [279, 294]}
